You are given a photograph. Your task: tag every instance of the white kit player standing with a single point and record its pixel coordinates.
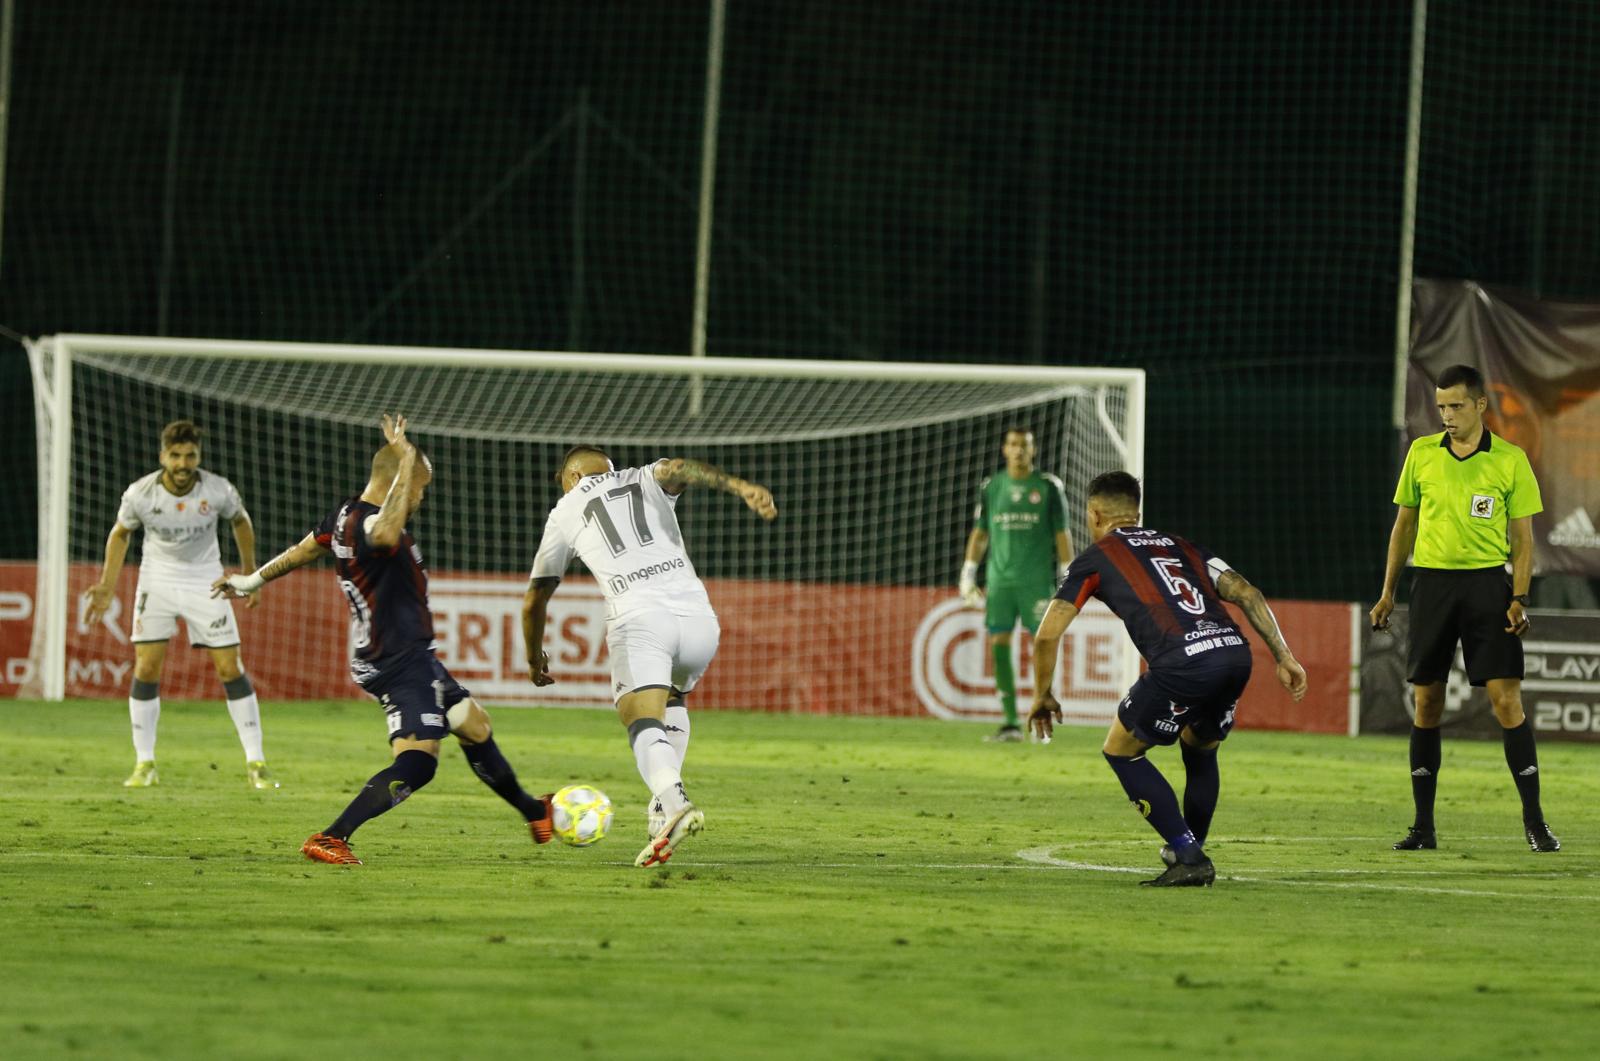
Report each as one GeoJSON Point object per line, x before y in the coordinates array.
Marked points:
{"type": "Point", "coordinates": [660, 628]}
{"type": "Point", "coordinates": [178, 508]}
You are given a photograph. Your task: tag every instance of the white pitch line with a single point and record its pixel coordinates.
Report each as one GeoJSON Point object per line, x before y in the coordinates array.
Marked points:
{"type": "Point", "coordinates": [1045, 856]}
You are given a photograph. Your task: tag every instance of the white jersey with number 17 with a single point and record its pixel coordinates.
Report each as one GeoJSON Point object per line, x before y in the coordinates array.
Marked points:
{"type": "Point", "coordinates": [624, 527]}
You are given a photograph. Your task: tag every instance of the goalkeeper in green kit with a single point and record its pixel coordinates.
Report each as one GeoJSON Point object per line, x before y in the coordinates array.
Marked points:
{"type": "Point", "coordinates": [1021, 520]}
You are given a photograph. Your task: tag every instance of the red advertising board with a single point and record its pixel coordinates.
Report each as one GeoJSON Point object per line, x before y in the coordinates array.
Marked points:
{"type": "Point", "coordinates": [793, 647]}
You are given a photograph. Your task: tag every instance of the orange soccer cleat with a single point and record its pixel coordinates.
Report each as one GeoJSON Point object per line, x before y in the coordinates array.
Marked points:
{"type": "Point", "coordinates": [542, 828]}
{"type": "Point", "coordinates": [324, 848]}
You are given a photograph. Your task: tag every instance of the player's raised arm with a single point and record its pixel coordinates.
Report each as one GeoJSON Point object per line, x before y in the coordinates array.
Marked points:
{"type": "Point", "coordinates": [390, 525]}
{"type": "Point", "coordinates": [307, 550]}
{"type": "Point", "coordinates": [1046, 648]}
{"type": "Point", "coordinates": [1236, 589]}
{"type": "Point", "coordinates": [100, 594]}
{"type": "Point", "coordinates": [676, 474]}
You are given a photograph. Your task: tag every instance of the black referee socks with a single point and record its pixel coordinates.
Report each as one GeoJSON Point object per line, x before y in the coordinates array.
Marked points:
{"type": "Point", "coordinates": [1523, 760]}
{"type": "Point", "coordinates": [1425, 757]}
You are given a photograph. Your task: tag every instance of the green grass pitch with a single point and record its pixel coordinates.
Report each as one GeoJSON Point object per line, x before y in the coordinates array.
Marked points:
{"type": "Point", "coordinates": [865, 888]}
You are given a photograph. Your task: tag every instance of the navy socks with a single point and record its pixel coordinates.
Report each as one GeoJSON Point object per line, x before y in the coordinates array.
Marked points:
{"type": "Point", "coordinates": [385, 790]}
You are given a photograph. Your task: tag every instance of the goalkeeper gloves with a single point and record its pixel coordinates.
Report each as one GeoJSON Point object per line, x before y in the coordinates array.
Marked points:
{"type": "Point", "coordinates": [971, 595]}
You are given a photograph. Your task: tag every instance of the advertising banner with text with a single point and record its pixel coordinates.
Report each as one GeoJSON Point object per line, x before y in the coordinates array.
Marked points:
{"type": "Point", "coordinates": [1560, 685]}
{"type": "Point", "coordinates": [833, 649]}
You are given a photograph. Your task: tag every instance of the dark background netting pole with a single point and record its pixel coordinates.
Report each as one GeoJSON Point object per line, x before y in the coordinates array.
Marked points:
{"type": "Point", "coordinates": [1210, 192]}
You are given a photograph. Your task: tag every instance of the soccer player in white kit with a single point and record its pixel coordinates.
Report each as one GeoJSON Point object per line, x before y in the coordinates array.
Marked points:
{"type": "Point", "coordinates": [178, 507]}
{"type": "Point", "coordinates": [660, 628]}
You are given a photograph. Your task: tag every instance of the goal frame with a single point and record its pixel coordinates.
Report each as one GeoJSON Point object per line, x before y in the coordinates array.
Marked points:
{"type": "Point", "coordinates": [51, 364]}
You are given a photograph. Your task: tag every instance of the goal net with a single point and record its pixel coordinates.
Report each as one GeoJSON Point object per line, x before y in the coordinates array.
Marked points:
{"type": "Point", "coordinates": [845, 604]}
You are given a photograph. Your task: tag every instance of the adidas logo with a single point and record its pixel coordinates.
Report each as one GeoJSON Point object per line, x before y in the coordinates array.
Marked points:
{"type": "Point", "coordinates": [1527, 771]}
{"type": "Point", "coordinates": [1422, 771]}
{"type": "Point", "coordinates": [1575, 532]}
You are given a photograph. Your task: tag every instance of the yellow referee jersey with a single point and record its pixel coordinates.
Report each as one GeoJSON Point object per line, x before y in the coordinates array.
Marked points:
{"type": "Point", "coordinates": [1466, 502]}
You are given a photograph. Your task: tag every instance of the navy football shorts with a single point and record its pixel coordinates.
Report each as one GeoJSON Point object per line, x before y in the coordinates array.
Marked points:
{"type": "Point", "coordinates": [416, 694]}
{"type": "Point", "coordinates": [1163, 703]}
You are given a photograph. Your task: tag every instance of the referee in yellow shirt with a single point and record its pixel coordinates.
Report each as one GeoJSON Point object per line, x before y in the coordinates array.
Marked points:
{"type": "Point", "coordinates": [1467, 500]}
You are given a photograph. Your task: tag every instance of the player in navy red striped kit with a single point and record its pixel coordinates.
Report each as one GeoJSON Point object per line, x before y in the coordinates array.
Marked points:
{"type": "Point", "coordinates": [1168, 592]}
{"type": "Point", "coordinates": [391, 626]}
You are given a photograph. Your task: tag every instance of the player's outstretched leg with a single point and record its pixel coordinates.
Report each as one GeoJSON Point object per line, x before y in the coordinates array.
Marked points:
{"type": "Point", "coordinates": [384, 790]}
{"type": "Point", "coordinates": [1150, 793]}
{"type": "Point", "coordinates": [489, 763]}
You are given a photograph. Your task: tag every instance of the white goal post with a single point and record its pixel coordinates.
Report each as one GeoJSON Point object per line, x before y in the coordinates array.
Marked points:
{"type": "Point", "coordinates": [875, 467]}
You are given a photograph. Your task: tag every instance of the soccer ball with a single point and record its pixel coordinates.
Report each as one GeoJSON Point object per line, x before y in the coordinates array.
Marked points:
{"type": "Point", "coordinates": [580, 815]}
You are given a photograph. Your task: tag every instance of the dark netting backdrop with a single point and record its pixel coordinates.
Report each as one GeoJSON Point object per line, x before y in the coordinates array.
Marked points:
{"type": "Point", "coordinates": [1210, 192]}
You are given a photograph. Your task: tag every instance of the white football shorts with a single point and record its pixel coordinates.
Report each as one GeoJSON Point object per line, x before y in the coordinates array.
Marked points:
{"type": "Point", "coordinates": [660, 649]}
{"type": "Point", "coordinates": [157, 609]}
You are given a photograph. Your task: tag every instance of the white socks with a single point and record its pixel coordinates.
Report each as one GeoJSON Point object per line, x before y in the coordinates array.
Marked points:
{"type": "Point", "coordinates": [657, 760]}
{"type": "Point", "coordinates": [143, 714]}
{"type": "Point", "coordinates": [144, 710]}
{"type": "Point", "coordinates": [247, 720]}
{"type": "Point", "coordinates": [678, 731]}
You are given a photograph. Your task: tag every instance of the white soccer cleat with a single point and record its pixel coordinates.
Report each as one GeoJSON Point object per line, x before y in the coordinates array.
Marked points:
{"type": "Point", "coordinates": [675, 828]}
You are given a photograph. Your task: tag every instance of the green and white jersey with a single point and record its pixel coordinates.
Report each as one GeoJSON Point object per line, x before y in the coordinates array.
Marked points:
{"type": "Point", "coordinates": [1466, 502]}
{"type": "Point", "coordinates": [1021, 518]}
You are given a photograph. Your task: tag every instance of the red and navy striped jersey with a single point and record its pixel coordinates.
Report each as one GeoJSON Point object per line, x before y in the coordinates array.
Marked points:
{"type": "Point", "coordinates": [1162, 588]}
{"type": "Point", "coordinates": [386, 589]}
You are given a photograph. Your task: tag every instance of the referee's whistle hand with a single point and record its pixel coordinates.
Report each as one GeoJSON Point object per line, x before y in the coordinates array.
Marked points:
{"type": "Point", "coordinates": [1380, 613]}
{"type": "Point", "coordinates": [1517, 620]}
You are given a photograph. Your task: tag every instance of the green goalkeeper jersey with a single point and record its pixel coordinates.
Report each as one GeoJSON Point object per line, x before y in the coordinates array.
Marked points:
{"type": "Point", "coordinates": [1021, 518]}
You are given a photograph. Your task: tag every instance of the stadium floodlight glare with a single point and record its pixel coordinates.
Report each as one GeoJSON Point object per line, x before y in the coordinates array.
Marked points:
{"type": "Point", "coordinates": [875, 465]}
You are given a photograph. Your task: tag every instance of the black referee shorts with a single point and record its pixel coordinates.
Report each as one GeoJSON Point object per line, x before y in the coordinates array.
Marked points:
{"type": "Point", "coordinates": [1465, 606]}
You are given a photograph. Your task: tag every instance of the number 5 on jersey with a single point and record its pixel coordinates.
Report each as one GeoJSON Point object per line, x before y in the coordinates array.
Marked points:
{"type": "Point", "coordinates": [1170, 568]}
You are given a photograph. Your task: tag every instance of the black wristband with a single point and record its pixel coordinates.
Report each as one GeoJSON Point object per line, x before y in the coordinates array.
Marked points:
{"type": "Point", "coordinates": [1520, 598]}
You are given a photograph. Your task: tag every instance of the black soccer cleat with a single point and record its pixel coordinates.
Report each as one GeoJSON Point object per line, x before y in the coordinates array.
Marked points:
{"type": "Point", "coordinates": [1541, 839]}
{"type": "Point", "coordinates": [1417, 840]}
{"type": "Point", "coordinates": [1200, 874]}
{"type": "Point", "coordinates": [1168, 856]}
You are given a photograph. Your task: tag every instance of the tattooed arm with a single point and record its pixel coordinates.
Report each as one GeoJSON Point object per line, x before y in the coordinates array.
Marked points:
{"type": "Point", "coordinates": [676, 474]}
{"type": "Point", "coordinates": [299, 555]}
{"type": "Point", "coordinates": [1236, 589]}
